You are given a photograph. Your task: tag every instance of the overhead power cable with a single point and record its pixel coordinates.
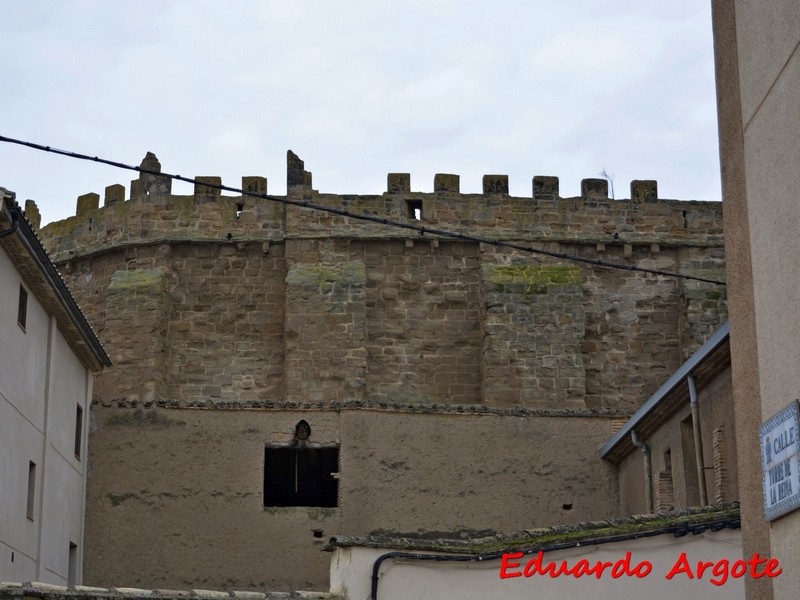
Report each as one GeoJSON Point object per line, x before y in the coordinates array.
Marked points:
{"type": "Point", "coordinates": [421, 230]}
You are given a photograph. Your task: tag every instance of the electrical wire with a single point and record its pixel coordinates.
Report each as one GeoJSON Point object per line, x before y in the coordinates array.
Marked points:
{"type": "Point", "coordinates": [421, 230]}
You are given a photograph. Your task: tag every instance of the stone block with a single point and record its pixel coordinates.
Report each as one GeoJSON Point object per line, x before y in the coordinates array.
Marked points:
{"type": "Point", "coordinates": [446, 183]}
{"type": "Point", "coordinates": [32, 214]}
{"type": "Point", "coordinates": [495, 184]}
{"type": "Point", "coordinates": [114, 194]}
{"type": "Point", "coordinates": [205, 194]}
{"type": "Point", "coordinates": [295, 170]}
{"type": "Point", "coordinates": [254, 185]}
{"type": "Point", "coordinates": [398, 182]}
{"type": "Point", "coordinates": [644, 190]}
{"type": "Point", "coordinates": [87, 203]}
{"type": "Point", "coordinates": [594, 188]}
{"type": "Point", "coordinates": [545, 187]}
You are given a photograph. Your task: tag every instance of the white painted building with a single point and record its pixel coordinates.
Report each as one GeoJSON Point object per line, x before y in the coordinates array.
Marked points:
{"type": "Point", "coordinates": [48, 354]}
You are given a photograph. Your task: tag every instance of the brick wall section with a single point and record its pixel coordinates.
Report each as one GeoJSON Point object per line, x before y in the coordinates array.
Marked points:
{"type": "Point", "coordinates": [435, 329]}
{"type": "Point", "coordinates": [665, 493]}
{"type": "Point", "coordinates": [325, 332]}
{"type": "Point", "coordinates": [534, 326]}
{"type": "Point", "coordinates": [227, 321]}
{"type": "Point", "coordinates": [584, 220]}
{"type": "Point", "coordinates": [138, 316]}
{"type": "Point", "coordinates": [630, 344]}
{"type": "Point", "coordinates": [705, 303]}
{"type": "Point", "coordinates": [423, 316]}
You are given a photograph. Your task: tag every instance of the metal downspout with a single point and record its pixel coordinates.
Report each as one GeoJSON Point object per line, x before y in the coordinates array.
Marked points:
{"type": "Point", "coordinates": [648, 473]}
{"type": "Point", "coordinates": [698, 442]}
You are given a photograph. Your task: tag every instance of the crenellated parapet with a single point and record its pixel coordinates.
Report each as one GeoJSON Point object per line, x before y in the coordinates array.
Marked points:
{"type": "Point", "coordinates": [319, 305]}
{"type": "Point", "coordinates": [152, 214]}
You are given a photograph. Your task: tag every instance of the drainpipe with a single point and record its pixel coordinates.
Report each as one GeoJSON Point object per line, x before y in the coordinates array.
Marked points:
{"type": "Point", "coordinates": [698, 443]}
{"type": "Point", "coordinates": [648, 473]}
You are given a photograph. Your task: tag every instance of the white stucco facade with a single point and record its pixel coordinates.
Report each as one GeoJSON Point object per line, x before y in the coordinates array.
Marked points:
{"type": "Point", "coordinates": [45, 394]}
{"type": "Point", "coordinates": [656, 557]}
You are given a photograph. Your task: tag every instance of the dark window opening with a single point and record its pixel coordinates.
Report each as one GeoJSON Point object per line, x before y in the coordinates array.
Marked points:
{"type": "Point", "coordinates": [414, 209]}
{"type": "Point", "coordinates": [239, 209]}
{"type": "Point", "coordinates": [78, 430]}
{"type": "Point", "coordinates": [22, 309]}
{"type": "Point", "coordinates": [31, 489]}
{"type": "Point", "coordinates": [301, 477]}
{"type": "Point", "coordinates": [72, 568]}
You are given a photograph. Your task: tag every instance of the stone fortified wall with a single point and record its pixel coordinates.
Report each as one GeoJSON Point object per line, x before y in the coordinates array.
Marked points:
{"type": "Point", "coordinates": [467, 386]}
{"type": "Point", "coordinates": [316, 307]}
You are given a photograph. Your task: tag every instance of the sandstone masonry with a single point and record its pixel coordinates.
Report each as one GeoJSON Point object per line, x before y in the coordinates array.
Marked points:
{"type": "Point", "coordinates": [466, 386]}
{"type": "Point", "coordinates": [242, 299]}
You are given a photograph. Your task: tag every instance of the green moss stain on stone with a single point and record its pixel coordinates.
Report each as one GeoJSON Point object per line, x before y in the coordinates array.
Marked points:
{"type": "Point", "coordinates": [530, 279]}
{"type": "Point", "coordinates": [348, 274]}
{"type": "Point", "coordinates": [136, 279]}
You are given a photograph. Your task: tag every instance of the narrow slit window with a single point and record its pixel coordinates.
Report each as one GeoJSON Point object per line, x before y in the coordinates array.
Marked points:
{"type": "Point", "coordinates": [78, 430]}
{"type": "Point", "coordinates": [22, 309]}
{"type": "Point", "coordinates": [414, 209]}
{"type": "Point", "coordinates": [239, 209]}
{"type": "Point", "coordinates": [72, 568]}
{"type": "Point", "coordinates": [31, 489]}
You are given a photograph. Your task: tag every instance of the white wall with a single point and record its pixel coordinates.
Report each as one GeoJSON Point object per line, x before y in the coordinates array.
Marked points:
{"type": "Point", "coordinates": [351, 570]}
{"type": "Point", "coordinates": [41, 384]}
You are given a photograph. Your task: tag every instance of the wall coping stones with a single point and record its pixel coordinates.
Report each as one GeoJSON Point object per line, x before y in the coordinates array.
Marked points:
{"type": "Point", "coordinates": [47, 591]}
{"type": "Point", "coordinates": [694, 517]}
{"type": "Point", "coordinates": [434, 408]}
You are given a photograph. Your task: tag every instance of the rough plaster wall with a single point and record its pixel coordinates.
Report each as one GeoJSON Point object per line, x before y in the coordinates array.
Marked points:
{"type": "Point", "coordinates": [188, 511]}
{"type": "Point", "coordinates": [415, 473]}
{"type": "Point", "coordinates": [632, 499]}
{"type": "Point", "coordinates": [181, 503]}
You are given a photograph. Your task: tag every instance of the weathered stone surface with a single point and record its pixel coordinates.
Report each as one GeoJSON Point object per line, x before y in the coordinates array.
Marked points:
{"type": "Point", "coordinates": [594, 188]}
{"type": "Point", "coordinates": [325, 331]}
{"type": "Point", "coordinates": [114, 194]}
{"type": "Point", "coordinates": [32, 214]}
{"type": "Point", "coordinates": [207, 193]}
{"type": "Point", "coordinates": [644, 191]}
{"type": "Point", "coordinates": [398, 182]}
{"type": "Point", "coordinates": [533, 330]}
{"type": "Point", "coordinates": [86, 204]}
{"type": "Point", "coordinates": [445, 182]}
{"type": "Point", "coordinates": [443, 369]}
{"type": "Point", "coordinates": [545, 187]}
{"type": "Point", "coordinates": [495, 184]}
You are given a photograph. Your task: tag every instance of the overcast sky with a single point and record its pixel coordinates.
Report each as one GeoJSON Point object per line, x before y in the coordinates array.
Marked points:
{"type": "Point", "coordinates": [359, 89]}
